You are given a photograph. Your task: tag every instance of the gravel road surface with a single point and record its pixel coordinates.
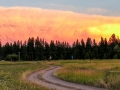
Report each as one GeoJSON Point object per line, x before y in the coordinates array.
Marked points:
{"type": "Point", "coordinates": [48, 80]}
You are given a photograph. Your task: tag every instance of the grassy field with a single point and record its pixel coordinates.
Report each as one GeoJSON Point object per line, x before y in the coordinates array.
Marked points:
{"type": "Point", "coordinates": [99, 73]}
{"type": "Point", "coordinates": [13, 75]}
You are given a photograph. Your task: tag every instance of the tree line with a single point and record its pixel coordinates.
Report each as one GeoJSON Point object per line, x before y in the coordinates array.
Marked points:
{"type": "Point", "coordinates": [39, 49]}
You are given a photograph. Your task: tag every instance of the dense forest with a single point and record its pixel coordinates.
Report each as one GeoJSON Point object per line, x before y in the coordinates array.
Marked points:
{"type": "Point", "coordinates": [39, 49]}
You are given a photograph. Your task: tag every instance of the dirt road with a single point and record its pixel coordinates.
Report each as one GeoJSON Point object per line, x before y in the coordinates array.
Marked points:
{"type": "Point", "coordinates": [47, 79]}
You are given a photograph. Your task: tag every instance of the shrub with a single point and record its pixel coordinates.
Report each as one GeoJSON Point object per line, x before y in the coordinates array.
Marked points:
{"type": "Point", "coordinates": [12, 57]}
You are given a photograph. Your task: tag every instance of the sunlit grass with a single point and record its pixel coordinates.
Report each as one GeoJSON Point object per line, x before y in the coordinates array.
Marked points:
{"type": "Point", "coordinates": [100, 73]}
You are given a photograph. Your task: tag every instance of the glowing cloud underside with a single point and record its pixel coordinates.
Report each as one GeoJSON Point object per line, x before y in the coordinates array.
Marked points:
{"type": "Point", "coordinates": [20, 23]}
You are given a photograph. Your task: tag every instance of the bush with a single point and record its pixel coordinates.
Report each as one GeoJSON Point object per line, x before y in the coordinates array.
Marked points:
{"type": "Point", "coordinates": [12, 57]}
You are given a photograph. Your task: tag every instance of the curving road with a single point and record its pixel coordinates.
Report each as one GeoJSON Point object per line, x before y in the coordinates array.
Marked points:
{"type": "Point", "coordinates": [47, 79]}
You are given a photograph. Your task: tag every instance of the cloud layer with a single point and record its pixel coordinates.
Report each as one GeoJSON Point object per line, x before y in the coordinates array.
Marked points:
{"type": "Point", "coordinates": [20, 23]}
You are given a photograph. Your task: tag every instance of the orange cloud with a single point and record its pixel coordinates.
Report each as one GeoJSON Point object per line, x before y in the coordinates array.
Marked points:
{"type": "Point", "coordinates": [19, 23]}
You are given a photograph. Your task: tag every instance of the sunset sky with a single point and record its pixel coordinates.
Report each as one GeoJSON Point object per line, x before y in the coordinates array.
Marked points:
{"type": "Point", "coordinates": [64, 20]}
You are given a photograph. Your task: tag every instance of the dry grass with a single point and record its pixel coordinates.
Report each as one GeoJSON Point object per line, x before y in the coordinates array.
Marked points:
{"type": "Point", "coordinates": [98, 73]}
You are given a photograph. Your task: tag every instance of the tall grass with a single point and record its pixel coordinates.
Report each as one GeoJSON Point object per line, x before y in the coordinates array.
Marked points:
{"type": "Point", "coordinates": [13, 75]}
{"type": "Point", "coordinates": [104, 73]}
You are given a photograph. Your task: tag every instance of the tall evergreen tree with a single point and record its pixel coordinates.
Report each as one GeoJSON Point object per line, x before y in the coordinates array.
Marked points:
{"type": "Point", "coordinates": [77, 50]}
{"type": "Point", "coordinates": [94, 50]}
{"type": "Point", "coordinates": [52, 50]}
{"type": "Point", "coordinates": [88, 54]}
{"type": "Point", "coordinates": [30, 48]}
{"type": "Point", "coordinates": [47, 49]}
{"type": "Point", "coordinates": [23, 51]}
{"type": "Point", "coordinates": [83, 49]}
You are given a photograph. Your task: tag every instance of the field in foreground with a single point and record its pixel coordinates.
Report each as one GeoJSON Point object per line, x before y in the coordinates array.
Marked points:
{"type": "Point", "coordinates": [13, 75]}
{"type": "Point", "coordinates": [100, 73]}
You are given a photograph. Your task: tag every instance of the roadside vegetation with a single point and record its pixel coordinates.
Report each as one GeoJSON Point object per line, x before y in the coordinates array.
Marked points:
{"type": "Point", "coordinates": [13, 75]}
{"type": "Point", "coordinates": [99, 73]}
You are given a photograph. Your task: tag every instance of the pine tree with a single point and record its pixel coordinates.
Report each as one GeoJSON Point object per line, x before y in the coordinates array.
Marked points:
{"type": "Point", "coordinates": [94, 50]}
{"type": "Point", "coordinates": [83, 49]}
{"type": "Point", "coordinates": [88, 48]}
{"type": "Point", "coordinates": [30, 48]}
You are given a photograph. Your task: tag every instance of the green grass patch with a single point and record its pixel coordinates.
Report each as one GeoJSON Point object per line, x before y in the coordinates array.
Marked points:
{"type": "Point", "coordinates": [13, 75]}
